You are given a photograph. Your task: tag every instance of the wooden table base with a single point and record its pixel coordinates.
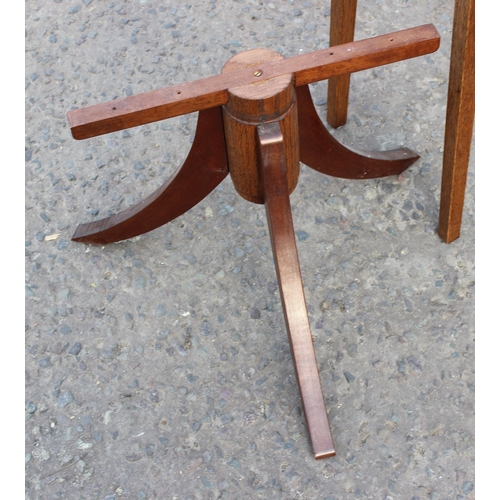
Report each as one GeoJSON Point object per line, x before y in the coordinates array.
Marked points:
{"type": "Point", "coordinates": [257, 122]}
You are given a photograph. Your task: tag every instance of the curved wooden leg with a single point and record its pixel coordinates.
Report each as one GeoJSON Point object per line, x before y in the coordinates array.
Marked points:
{"type": "Point", "coordinates": [322, 152]}
{"type": "Point", "coordinates": [204, 169]}
{"type": "Point", "coordinates": [274, 174]}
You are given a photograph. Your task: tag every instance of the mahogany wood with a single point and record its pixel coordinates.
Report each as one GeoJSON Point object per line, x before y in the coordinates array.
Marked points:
{"type": "Point", "coordinates": [274, 166]}
{"type": "Point", "coordinates": [204, 169]}
{"type": "Point", "coordinates": [342, 24]}
{"type": "Point", "coordinates": [212, 91]}
{"type": "Point", "coordinates": [269, 124]}
{"type": "Point", "coordinates": [249, 105]}
{"type": "Point", "coordinates": [322, 152]}
{"type": "Point", "coordinates": [262, 99]}
{"type": "Point", "coordinates": [459, 121]}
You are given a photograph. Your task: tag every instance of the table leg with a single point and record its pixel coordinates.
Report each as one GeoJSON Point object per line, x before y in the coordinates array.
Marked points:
{"type": "Point", "coordinates": [274, 173]}
{"type": "Point", "coordinates": [342, 23]}
{"type": "Point", "coordinates": [203, 170]}
{"type": "Point", "coordinates": [320, 151]}
{"type": "Point", "coordinates": [459, 121]}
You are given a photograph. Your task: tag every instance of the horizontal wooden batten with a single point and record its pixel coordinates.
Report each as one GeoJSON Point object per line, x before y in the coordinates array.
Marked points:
{"type": "Point", "coordinates": [211, 92]}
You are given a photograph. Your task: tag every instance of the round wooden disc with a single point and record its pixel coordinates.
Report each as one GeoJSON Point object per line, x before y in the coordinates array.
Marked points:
{"type": "Point", "coordinates": [274, 95]}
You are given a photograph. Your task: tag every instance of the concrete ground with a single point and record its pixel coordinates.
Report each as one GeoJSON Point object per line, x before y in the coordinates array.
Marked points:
{"type": "Point", "coordinates": [159, 368]}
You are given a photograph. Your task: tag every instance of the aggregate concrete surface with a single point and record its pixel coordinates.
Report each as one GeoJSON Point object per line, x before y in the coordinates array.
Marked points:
{"type": "Point", "coordinates": [159, 367]}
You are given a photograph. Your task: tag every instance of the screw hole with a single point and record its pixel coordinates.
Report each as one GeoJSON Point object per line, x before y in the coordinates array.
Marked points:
{"type": "Point", "coordinates": [114, 109]}
{"type": "Point", "coordinates": [179, 92]}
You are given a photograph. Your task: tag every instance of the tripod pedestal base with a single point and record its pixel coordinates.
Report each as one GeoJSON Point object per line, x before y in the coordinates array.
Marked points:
{"type": "Point", "coordinates": [260, 134]}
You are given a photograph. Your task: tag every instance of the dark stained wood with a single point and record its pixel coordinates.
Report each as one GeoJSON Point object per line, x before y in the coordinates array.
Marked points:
{"type": "Point", "coordinates": [204, 169]}
{"type": "Point", "coordinates": [322, 152]}
{"type": "Point", "coordinates": [212, 92]}
{"type": "Point", "coordinates": [459, 121]}
{"type": "Point", "coordinates": [249, 105]}
{"type": "Point", "coordinates": [274, 173]}
{"type": "Point", "coordinates": [257, 120]}
{"type": "Point", "coordinates": [342, 25]}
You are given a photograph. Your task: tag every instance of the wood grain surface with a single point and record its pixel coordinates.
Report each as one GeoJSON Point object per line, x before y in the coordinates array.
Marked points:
{"type": "Point", "coordinates": [213, 91]}
{"type": "Point", "coordinates": [274, 167]}
{"type": "Point", "coordinates": [261, 101]}
{"type": "Point", "coordinates": [203, 170]}
{"type": "Point", "coordinates": [459, 121]}
{"type": "Point", "coordinates": [322, 152]}
{"type": "Point", "coordinates": [342, 25]}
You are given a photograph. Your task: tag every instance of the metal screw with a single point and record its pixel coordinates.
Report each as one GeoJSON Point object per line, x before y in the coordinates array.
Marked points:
{"type": "Point", "coordinates": [258, 73]}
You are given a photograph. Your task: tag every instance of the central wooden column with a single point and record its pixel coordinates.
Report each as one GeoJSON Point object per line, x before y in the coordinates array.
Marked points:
{"type": "Point", "coordinates": [262, 101]}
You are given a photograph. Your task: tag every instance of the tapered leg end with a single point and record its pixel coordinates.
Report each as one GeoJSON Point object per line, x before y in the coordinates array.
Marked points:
{"type": "Point", "coordinates": [324, 454]}
{"type": "Point", "coordinates": [92, 233]}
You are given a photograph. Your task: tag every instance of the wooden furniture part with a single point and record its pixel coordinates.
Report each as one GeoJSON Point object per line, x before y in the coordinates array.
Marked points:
{"type": "Point", "coordinates": [257, 122]}
{"type": "Point", "coordinates": [342, 24]}
{"type": "Point", "coordinates": [459, 121]}
{"type": "Point", "coordinates": [460, 105]}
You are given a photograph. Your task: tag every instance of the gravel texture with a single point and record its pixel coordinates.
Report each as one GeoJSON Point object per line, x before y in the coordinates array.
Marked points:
{"type": "Point", "coordinates": [159, 367]}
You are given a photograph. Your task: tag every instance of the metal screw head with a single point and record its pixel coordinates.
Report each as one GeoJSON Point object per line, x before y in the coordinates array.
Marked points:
{"type": "Point", "coordinates": [258, 73]}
